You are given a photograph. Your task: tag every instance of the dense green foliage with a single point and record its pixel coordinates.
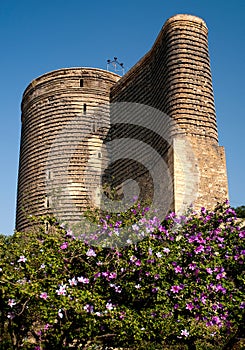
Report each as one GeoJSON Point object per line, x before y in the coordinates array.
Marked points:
{"type": "Point", "coordinates": [240, 211]}
{"type": "Point", "coordinates": [179, 287]}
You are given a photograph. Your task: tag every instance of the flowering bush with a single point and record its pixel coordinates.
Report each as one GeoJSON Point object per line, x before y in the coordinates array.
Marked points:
{"type": "Point", "coordinates": [179, 287]}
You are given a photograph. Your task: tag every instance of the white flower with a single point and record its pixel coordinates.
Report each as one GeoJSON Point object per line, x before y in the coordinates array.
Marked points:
{"type": "Point", "coordinates": [159, 255]}
{"type": "Point", "coordinates": [61, 290]}
{"type": "Point", "coordinates": [166, 250]}
{"type": "Point", "coordinates": [185, 332]}
{"type": "Point", "coordinates": [69, 232]}
{"type": "Point", "coordinates": [91, 252]}
{"type": "Point", "coordinates": [137, 286]}
{"type": "Point", "coordinates": [11, 302]}
{"type": "Point", "coordinates": [109, 306]}
{"type": "Point", "coordinates": [73, 282]}
{"type": "Point", "coordinates": [60, 314]}
{"type": "Point", "coordinates": [22, 259]}
{"type": "Point", "coordinates": [83, 280]}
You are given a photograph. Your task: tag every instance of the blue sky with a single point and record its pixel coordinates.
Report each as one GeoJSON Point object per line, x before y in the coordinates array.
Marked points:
{"type": "Point", "coordinates": [39, 36]}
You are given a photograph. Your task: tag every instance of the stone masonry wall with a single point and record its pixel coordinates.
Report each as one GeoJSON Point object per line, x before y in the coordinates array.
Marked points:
{"type": "Point", "coordinates": [65, 115]}
{"type": "Point", "coordinates": [175, 78]}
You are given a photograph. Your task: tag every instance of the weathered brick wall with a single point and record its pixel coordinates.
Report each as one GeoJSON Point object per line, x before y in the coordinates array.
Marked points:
{"type": "Point", "coordinates": [174, 77]}
{"type": "Point", "coordinates": [65, 116]}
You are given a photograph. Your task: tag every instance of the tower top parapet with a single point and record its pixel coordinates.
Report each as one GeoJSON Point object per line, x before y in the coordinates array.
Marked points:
{"type": "Point", "coordinates": [186, 17]}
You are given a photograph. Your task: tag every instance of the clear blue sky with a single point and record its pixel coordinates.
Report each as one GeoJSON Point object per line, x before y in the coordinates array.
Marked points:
{"type": "Point", "coordinates": [39, 36]}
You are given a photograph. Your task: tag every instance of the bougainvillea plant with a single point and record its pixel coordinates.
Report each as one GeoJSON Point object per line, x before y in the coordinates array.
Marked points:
{"type": "Point", "coordinates": [180, 286]}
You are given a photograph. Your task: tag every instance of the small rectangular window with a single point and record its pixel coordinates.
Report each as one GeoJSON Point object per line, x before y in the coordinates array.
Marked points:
{"type": "Point", "coordinates": [84, 108]}
{"type": "Point", "coordinates": [81, 82]}
{"type": "Point", "coordinates": [49, 175]}
{"type": "Point", "coordinates": [47, 202]}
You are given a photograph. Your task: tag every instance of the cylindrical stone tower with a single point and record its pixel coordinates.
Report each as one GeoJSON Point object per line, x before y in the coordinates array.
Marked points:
{"type": "Point", "coordinates": [189, 100]}
{"type": "Point", "coordinates": [65, 116]}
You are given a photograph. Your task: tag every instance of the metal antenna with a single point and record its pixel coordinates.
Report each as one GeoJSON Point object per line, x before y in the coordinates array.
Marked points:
{"type": "Point", "coordinates": [117, 66]}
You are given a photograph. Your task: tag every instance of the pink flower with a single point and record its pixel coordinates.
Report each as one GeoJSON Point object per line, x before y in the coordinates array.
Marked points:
{"type": "Point", "coordinates": [73, 282]}
{"type": "Point", "coordinates": [178, 269]}
{"type": "Point", "coordinates": [138, 263]}
{"type": "Point", "coordinates": [189, 306]}
{"type": "Point", "coordinates": [122, 315]}
{"type": "Point", "coordinates": [22, 259]}
{"type": "Point", "coordinates": [203, 299]}
{"type": "Point", "coordinates": [166, 250]}
{"type": "Point", "coordinates": [209, 270]}
{"type": "Point", "coordinates": [83, 280]}
{"type": "Point", "coordinates": [112, 275]}
{"type": "Point", "coordinates": [117, 288]}
{"type": "Point", "coordinates": [44, 295]}
{"type": "Point", "coordinates": [97, 275]}
{"type": "Point", "coordinates": [199, 249]}
{"type": "Point", "coordinates": [61, 290]}
{"type": "Point", "coordinates": [69, 232]}
{"type": "Point", "coordinates": [192, 266]}
{"type": "Point", "coordinates": [242, 234]}
{"type": "Point", "coordinates": [217, 320]}
{"type": "Point", "coordinates": [109, 306]}
{"type": "Point", "coordinates": [91, 252]}
{"type": "Point", "coordinates": [175, 289]}
{"type": "Point", "coordinates": [64, 245]}
{"type": "Point", "coordinates": [88, 308]}
{"type": "Point", "coordinates": [220, 288]}
{"type": "Point", "coordinates": [11, 302]}
{"type": "Point", "coordinates": [220, 275]}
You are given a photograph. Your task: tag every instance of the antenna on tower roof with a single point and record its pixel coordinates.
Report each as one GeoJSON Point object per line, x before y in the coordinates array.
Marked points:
{"type": "Point", "coordinates": [117, 66]}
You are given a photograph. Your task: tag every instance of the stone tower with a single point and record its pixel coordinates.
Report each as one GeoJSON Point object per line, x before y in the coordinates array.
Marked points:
{"type": "Point", "coordinates": [175, 77]}
{"type": "Point", "coordinates": [173, 80]}
{"type": "Point", "coordinates": [64, 120]}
